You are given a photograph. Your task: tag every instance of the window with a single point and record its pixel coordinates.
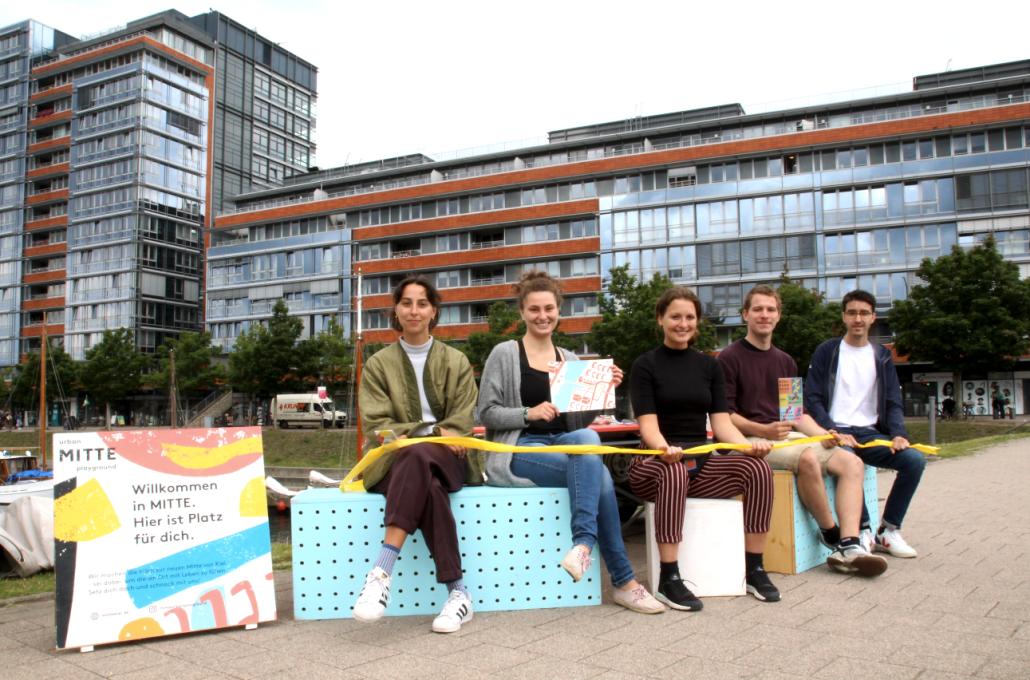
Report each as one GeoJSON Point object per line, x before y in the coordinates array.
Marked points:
{"type": "Point", "coordinates": [718, 259]}
{"type": "Point", "coordinates": [717, 219]}
{"type": "Point", "coordinates": [972, 192]}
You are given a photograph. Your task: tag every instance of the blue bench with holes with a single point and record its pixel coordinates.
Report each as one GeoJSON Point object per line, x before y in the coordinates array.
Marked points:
{"type": "Point", "coordinates": [794, 545]}
{"type": "Point", "coordinates": [512, 542]}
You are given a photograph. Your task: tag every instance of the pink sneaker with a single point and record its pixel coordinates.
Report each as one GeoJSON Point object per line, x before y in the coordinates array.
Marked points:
{"type": "Point", "coordinates": [577, 562]}
{"type": "Point", "coordinates": [638, 600]}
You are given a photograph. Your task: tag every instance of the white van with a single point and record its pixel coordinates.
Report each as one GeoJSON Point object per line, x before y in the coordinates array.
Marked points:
{"type": "Point", "coordinates": [306, 409]}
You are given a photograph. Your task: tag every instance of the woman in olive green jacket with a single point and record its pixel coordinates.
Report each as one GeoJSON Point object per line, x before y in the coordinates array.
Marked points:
{"type": "Point", "coordinates": [418, 387]}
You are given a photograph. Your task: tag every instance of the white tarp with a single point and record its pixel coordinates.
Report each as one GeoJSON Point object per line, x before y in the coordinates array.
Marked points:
{"type": "Point", "coordinates": [27, 534]}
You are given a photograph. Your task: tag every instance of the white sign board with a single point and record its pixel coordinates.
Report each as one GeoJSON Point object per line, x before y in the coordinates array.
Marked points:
{"type": "Point", "coordinates": [159, 532]}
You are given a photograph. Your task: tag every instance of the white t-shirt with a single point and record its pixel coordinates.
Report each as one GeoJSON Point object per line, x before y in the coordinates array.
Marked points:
{"type": "Point", "coordinates": [417, 355]}
{"type": "Point", "coordinates": [854, 392]}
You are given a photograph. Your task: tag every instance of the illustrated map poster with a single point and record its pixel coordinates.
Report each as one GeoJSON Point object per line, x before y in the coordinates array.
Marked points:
{"type": "Point", "coordinates": [159, 532]}
{"type": "Point", "coordinates": [583, 386]}
{"type": "Point", "coordinates": [792, 401]}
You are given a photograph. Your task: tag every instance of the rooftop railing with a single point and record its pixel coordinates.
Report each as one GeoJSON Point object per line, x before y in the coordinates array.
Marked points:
{"type": "Point", "coordinates": [820, 122]}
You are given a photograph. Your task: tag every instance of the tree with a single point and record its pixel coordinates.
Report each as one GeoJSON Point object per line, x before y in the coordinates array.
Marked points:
{"type": "Point", "coordinates": [972, 314]}
{"type": "Point", "coordinates": [503, 323]}
{"type": "Point", "coordinates": [806, 320]}
{"type": "Point", "coordinates": [196, 371]}
{"type": "Point", "coordinates": [329, 358]}
{"type": "Point", "coordinates": [61, 374]}
{"type": "Point", "coordinates": [267, 360]}
{"type": "Point", "coordinates": [113, 368]}
{"type": "Point", "coordinates": [628, 327]}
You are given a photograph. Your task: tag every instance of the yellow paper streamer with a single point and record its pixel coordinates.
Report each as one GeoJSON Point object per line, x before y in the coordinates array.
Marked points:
{"type": "Point", "coordinates": [352, 483]}
{"type": "Point", "coordinates": [922, 448]}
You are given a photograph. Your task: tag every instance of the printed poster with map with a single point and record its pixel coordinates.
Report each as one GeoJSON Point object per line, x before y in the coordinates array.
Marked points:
{"type": "Point", "coordinates": [792, 399]}
{"type": "Point", "coordinates": [159, 532]}
{"type": "Point", "coordinates": [583, 386]}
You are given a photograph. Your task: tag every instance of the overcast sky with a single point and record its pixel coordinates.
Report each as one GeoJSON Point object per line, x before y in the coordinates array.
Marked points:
{"type": "Point", "coordinates": [452, 77]}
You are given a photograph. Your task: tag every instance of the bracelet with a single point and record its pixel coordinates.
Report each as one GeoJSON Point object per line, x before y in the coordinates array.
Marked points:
{"type": "Point", "coordinates": [525, 415]}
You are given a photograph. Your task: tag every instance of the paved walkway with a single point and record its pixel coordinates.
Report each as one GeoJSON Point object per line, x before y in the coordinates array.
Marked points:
{"type": "Point", "coordinates": [962, 609]}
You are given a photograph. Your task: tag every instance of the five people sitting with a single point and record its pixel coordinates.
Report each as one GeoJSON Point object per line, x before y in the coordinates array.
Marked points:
{"type": "Point", "coordinates": [419, 387]}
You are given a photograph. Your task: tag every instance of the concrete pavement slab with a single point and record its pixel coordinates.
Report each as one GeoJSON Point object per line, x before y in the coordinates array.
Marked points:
{"type": "Point", "coordinates": [959, 610]}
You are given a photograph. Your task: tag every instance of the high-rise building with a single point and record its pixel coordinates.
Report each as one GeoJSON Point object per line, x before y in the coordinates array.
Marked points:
{"type": "Point", "coordinates": [133, 138]}
{"type": "Point", "coordinates": [19, 44]}
{"type": "Point", "coordinates": [842, 195]}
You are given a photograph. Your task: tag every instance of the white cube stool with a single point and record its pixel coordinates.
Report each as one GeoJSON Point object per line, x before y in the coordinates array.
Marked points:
{"type": "Point", "coordinates": [711, 554]}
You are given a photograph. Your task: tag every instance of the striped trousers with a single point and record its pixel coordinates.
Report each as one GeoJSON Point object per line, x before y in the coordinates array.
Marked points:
{"type": "Point", "coordinates": [721, 476]}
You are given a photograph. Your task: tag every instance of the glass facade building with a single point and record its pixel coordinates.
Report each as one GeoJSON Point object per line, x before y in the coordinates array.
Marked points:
{"type": "Point", "coordinates": [111, 167]}
{"type": "Point", "coordinates": [841, 195]}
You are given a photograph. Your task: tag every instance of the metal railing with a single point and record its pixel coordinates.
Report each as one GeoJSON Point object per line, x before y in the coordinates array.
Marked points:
{"type": "Point", "coordinates": [691, 141]}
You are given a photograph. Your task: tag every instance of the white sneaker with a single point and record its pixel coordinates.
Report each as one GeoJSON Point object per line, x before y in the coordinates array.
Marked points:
{"type": "Point", "coordinates": [374, 597]}
{"type": "Point", "coordinates": [456, 611]}
{"type": "Point", "coordinates": [865, 539]}
{"type": "Point", "coordinates": [891, 541]}
{"type": "Point", "coordinates": [577, 562]}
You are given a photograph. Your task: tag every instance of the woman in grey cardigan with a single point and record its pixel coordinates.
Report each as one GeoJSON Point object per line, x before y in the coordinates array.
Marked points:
{"type": "Point", "coordinates": [515, 408]}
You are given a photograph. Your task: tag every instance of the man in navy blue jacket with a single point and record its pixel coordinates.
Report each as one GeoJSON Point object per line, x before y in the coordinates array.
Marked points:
{"type": "Point", "coordinates": [852, 386]}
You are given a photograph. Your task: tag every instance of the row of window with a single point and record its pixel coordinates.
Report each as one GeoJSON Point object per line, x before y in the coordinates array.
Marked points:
{"type": "Point", "coordinates": [942, 146]}
{"type": "Point", "coordinates": [282, 148]}
{"type": "Point", "coordinates": [373, 319]}
{"type": "Point", "coordinates": [278, 118]}
{"type": "Point", "coordinates": [567, 191]}
{"type": "Point", "coordinates": [279, 92]}
{"type": "Point", "coordinates": [268, 266]}
{"type": "Point", "coordinates": [530, 233]}
{"type": "Point", "coordinates": [897, 246]}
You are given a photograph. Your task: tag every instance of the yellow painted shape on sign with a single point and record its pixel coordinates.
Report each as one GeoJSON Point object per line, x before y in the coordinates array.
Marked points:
{"type": "Point", "coordinates": [140, 628]}
{"type": "Point", "coordinates": [202, 457]}
{"type": "Point", "coordinates": [253, 499]}
{"type": "Point", "coordinates": [84, 514]}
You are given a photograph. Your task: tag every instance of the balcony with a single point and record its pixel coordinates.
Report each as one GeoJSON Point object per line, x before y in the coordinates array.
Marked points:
{"type": "Point", "coordinates": [36, 330]}
{"type": "Point", "coordinates": [50, 196]}
{"type": "Point", "coordinates": [56, 248]}
{"type": "Point", "coordinates": [52, 92]}
{"type": "Point", "coordinates": [47, 222]}
{"type": "Point", "coordinates": [44, 275]}
{"type": "Point", "coordinates": [43, 303]}
{"type": "Point", "coordinates": [50, 144]}
{"type": "Point", "coordinates": [50, 118]}
{"type": "Point", "coordinates": [40, 171]}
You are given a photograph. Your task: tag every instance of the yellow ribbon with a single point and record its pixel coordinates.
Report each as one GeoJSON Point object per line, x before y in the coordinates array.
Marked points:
{"type": "Point", "coordinates": [351, 483]}
{"type": "Point", "coordinates": [922, 448]}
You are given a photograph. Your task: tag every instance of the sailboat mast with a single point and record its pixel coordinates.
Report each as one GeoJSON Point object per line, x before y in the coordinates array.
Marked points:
{"type": "Point", "coordinates": [42, 396]}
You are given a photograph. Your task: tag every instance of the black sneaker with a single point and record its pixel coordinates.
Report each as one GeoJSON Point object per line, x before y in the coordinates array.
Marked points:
{"type": "Point", "coordinates": [759, 585]}
{"type": "Point", "coordinates": [677, 595]}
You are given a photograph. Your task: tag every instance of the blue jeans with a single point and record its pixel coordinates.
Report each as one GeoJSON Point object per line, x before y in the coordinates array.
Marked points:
{"type": "Point", "coordinates": [908, 463]}
{"type": "Point", "coordinates": [595, 513]}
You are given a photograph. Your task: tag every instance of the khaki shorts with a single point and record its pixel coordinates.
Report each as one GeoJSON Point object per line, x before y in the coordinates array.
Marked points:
{"type": "Point", "coordinates": [787, 457]}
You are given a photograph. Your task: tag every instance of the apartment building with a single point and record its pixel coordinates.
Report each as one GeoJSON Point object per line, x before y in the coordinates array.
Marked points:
{"type": "Point", "coordinates": [130, 140]}
{"type": "Point", "coordinates": [19, 44]}
{"type": "Point", "coordinates": [842, 195]}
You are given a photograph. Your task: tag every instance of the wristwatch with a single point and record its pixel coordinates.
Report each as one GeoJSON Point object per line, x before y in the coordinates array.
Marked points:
{"type": "Point", "coordinates": [525, 415]}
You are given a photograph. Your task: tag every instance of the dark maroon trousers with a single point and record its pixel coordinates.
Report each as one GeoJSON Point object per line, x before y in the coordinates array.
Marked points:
{"type": "Point", "coordinates": [416, 489]}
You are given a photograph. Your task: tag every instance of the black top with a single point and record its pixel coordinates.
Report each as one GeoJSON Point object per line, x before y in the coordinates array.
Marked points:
{"type": "Point", "coordinates": [535, 388]}
{"type": "Point", "coordinates": [680, 386]}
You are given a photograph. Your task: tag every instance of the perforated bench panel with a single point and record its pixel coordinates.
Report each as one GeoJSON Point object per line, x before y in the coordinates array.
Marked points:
{"type": "Point", "coordinates": [512, 542]}
{"type": "Point", "coordinates": [794, 544]}
{"type": "Point", "coordinates": [809, 551]}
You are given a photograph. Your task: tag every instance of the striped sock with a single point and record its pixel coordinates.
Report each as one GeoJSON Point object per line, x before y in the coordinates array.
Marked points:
{"type": "Point", "coordinates": [387, 557]}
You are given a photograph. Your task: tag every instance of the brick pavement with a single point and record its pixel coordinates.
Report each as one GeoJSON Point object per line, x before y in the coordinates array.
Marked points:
{"type": "Point", "coordinates": [962, 609]}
